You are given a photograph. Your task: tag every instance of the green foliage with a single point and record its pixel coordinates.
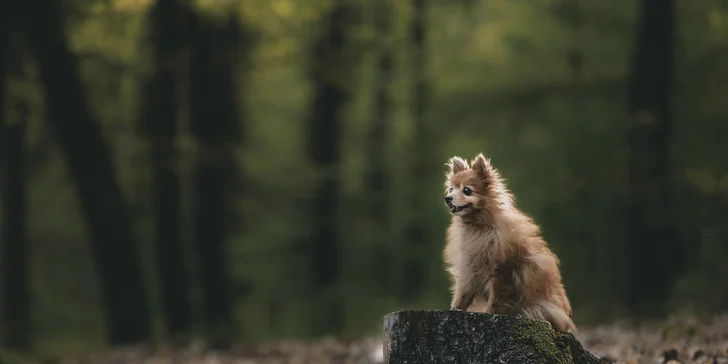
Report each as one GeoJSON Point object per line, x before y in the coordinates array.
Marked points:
{"type": "Point", "coordinates": [503, 86]}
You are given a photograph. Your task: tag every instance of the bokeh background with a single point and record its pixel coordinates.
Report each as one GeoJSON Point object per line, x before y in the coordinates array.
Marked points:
{"type": "Point", "coordinates": [272, 169]}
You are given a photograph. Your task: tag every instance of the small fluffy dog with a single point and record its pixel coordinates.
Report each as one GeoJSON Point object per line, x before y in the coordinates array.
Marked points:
{"type": "Point", "coordinates": [495, 254]}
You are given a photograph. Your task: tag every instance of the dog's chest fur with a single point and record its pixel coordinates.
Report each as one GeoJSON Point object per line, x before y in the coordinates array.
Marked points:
{"type": "Point", "coordinates": [473, 250]}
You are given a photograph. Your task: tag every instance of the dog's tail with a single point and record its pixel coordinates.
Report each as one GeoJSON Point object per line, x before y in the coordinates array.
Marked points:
{"type": "Point", "coordinates": [553, 313]}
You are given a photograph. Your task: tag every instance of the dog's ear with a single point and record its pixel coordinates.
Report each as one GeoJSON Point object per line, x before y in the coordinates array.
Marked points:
{"type": "Point", "coordinates": [457, 164]}
{"type": "Point", "coordinates": [482, 166]}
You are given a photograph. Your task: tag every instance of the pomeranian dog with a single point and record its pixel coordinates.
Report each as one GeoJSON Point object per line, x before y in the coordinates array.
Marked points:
{"type": "Point", "coordinates": [495, 255]}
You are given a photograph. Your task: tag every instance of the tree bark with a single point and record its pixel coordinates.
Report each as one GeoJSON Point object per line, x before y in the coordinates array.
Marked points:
{"type": "Point", "coordinates": [160, 123]}
{"type": "Point", "coordinates": [323, 150]}
{"type": "Point", "coordinates": [89, 162]}
{"type": "Point", "coordinates": [216, 125]}
{"type": "Point", "coordinates": [15, 264]}
{"type": "Point", "coordinates": [442, 337]}
{"type": "Point", "coordinates": [654, 248]}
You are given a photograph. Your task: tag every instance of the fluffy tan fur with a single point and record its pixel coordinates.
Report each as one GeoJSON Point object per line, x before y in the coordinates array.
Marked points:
{"type": "Point", "coordinates": [495, 254]}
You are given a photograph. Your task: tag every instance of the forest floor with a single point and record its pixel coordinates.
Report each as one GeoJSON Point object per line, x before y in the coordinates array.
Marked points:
{"type": "Point", "coordinates": [677, 340]}
{"type": "Point", "coordinates": [685, 340]}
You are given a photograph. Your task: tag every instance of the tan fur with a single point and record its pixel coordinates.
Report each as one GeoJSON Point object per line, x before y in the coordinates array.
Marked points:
{"type": "Point", "coordinates": [495, 254]}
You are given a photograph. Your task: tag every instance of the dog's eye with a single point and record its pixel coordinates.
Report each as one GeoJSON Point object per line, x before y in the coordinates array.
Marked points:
{"type": "Point", "coordinates": [450, 189]}
{"type": "Point", "coordinates": [467, 191]}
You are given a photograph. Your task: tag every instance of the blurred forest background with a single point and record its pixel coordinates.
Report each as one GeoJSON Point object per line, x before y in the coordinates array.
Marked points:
{"type": "Point", "coordinates": [268, 169]}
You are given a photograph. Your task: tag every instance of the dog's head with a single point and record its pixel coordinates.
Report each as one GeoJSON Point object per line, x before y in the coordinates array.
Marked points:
{"type": "Point", "coordinates": [470, 189]}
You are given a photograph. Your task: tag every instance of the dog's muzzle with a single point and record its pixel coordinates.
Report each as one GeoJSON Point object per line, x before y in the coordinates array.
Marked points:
{"type": "Point", "coordinates": [455, 209]}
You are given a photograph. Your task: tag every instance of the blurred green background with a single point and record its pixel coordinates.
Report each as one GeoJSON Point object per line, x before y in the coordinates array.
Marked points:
{"type": "Point", "coordinates": [281, 162]}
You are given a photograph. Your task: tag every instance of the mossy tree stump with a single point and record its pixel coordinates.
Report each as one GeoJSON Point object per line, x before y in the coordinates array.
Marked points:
{"type": "Point", "coordinates": [458, 337]}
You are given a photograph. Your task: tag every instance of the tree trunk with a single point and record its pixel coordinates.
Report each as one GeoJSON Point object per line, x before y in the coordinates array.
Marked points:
{"type": "Point", "coordinates": [217, 129]}
{"type": "Point", "coordinates": [569, 12]}
{"type": "Point", "coordinates": [654, 248]}
{"type": "Point", "coordinates": [442, 337]}
{"type": "Point", "coordinates": [5, 30]}
{"type": "Point", "coordinates": [376, 175]}
{"type": "Point", "coordinates": [324, 150]}
{"type": "Point", "coordinates": [418, 235]}
{"type": "Point", "coordinates": [113, 244]}
{"type": "Point", "coordinates": [15, 259]}
{"type": "Point", "coordinates": [160, 123]}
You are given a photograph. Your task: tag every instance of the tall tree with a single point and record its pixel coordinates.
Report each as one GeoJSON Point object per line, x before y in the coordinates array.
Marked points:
{"type": "Point", "coordinates": [326, 63]}
{"type": "Point", "coordinates": [159, 119]}
{"type": "Point", "coordinates": [89, 162]}
{"type": "Point", "coordinates": [218, 129]}
{"type": "Point", "coordinates": [376, 174]}
{"type": "Point", "coordinates": [570, 12]}
{"type": "Point", "coordinates": [424, 161]}
{"type": "Point", "coordinates": [5, 29]}
{"type": "Point", "coordinates": [654, 249]}
{"type": "Point", "coordinates": [15, 265]}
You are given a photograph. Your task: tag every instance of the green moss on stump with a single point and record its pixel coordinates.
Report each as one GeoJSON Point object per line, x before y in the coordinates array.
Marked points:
{"type": "Point", "coordinates": [450, 337]}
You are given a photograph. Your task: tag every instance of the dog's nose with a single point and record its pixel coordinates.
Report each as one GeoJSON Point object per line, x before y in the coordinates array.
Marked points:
{"type": "Point", "coordinates": [448, 199]}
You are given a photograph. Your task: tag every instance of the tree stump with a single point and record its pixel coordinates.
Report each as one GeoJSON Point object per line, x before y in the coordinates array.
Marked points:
{"type": "Point", "coordinates": [458, 337]}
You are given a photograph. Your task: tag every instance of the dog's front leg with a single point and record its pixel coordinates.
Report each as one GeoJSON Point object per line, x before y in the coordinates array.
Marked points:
{"type": "Point", "coordinates": [490, 296]}
{"type": "Point", "coordinates": [462, 297]}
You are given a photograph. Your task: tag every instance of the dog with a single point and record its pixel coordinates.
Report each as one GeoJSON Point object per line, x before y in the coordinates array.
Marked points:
{"type": "Point", "coordinates": [495, 255]}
